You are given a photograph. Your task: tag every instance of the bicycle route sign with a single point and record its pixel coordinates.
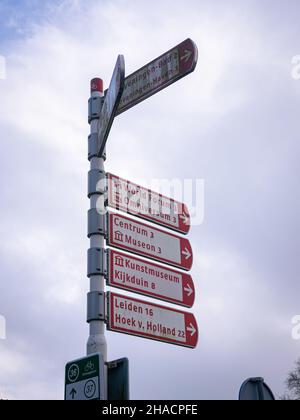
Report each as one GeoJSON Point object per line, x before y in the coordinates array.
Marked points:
{"type": "Point", "coordinates": [84, 380]}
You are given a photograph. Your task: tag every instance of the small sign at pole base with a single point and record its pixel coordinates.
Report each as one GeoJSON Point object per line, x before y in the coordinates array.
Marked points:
{"type": "Point", "coordinates": [84, 379]}
{"type": "Point", "coordinates": [255, 389]}
{"type": "Point", "coordinates": [118, 380]}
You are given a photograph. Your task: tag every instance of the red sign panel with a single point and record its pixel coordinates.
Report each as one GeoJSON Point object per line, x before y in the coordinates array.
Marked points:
{"type": "Point", "coordinates": [148, 320]}
{"type": "Point", "coordinates": [149, 279]}
{"type": "Point", "coordinates": [148, 241]}
{"type": "Point", "coordinates": [158, 74]}
{"type": "Point", "coordinates": [141, 202]}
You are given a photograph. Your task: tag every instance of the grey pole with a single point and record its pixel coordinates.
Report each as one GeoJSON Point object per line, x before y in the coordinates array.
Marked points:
{"type": "Point", "coordinates": [96, 341]}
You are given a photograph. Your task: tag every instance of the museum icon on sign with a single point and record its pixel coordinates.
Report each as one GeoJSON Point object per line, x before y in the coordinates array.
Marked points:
{"type": "Point", "coordinates": [119, 236]}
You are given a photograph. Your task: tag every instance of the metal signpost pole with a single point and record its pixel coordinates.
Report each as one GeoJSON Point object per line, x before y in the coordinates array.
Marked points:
{"type": "Point", "coordinates": [87, 378]}
{"type": "Point", "coordinates": [96, 341]}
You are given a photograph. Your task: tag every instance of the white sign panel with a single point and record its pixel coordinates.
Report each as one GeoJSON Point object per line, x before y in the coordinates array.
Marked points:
{"type": "Point", "coordinates": [148, 320]}
{"type": "Point", "coordinates": [142, 202]}
{"type": "Point", "coordinates": [145, 277]}
{"type": "Point", "coordinates": [158, 74]}
{"type": "Point", "coordinates": [148, 241]}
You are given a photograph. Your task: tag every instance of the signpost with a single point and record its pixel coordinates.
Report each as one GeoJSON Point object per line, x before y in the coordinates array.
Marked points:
{"type": "Point", "coordinates": [149, 279]}
{"type": "Point", "coordinates": [148, 241]}
{"type": "Point", "coordinates": [146, 204]}
{"type": "Point", "coordinates": [136, 317]}
{"type": "Point", "coordinates": [84, 378]}
{"type": "Point", "coordinates": [158, 74]}
{"type": "Point", "coordinates": [92, 378]}
{"type": "Point", "coordinates": [111, 103]}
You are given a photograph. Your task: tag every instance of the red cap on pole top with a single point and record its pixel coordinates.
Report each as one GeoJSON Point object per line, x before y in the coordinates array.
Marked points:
{"type": "Point", "coordinates": [97, 85]}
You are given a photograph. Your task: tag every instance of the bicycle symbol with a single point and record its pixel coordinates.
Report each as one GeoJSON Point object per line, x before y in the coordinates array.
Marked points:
{"type": "Point", "coordinates": [89, 366]}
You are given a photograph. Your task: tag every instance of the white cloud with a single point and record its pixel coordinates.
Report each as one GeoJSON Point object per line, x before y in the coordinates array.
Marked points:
{"type": "Point", "coordinates": [12, 363]}
{"type": "Point", "coordinates": [46, 247]}
{"type": "Point", "coordinates": [23, 376]}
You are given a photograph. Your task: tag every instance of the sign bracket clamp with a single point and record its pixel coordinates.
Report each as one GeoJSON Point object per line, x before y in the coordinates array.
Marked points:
{"type": "Point", "coordinates": [96, 306]}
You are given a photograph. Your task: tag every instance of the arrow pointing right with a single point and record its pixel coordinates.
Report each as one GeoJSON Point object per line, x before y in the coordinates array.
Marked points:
{"type": "Point", "coordinates": [186, 56]}
{"type": "Point", "coordinates": [73, 393]}
{"type": "Point", "coordinates": [186, 253]}
{"type": "Point", "coordinates": [184, 218]}
{"type": "Point", "coordinates": [191, 329]}
{"type": "Point", "coordinates": [189, 290]}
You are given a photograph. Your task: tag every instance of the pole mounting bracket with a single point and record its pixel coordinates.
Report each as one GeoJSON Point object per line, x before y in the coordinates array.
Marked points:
{"type": "Point", "coordinates": [96, 182]}
{"type": "Point", "coordinates": [96, 262]}
{"type": "Point", "coordinates": [96, 223]}
{"type": "Point", "coordinates": [95, 306]}
{"type": "Point", "coordinates": [95, 105]}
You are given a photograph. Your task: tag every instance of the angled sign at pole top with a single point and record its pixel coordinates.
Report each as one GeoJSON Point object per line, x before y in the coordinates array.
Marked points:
{"type": "Point", "coordinates": [146, 204]}
{"type": "Point", "coordinates": [148, 320]}
{"type": "Point", "coordinates": [111, 103]}
{"type": "Point", "coordinates": [148, 241]}
{"type": "Point", "coordinates": [158, 74]}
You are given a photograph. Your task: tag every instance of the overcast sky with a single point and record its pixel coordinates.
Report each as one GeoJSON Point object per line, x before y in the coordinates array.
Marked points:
{"type": "Point", "coordinates": [234, 123]}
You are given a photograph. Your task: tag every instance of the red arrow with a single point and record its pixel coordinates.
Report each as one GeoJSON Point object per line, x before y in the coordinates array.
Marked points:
{"type": "Point", "coordinates": [184, 220]}
{"type": "Point", "coordinates": [188, 55]}
{"type": "Point", "coordinates": [186, 254]}
{"type": "Point", "coordinates": [188, 290]}
{"type": "Point", "coordinates": [191, 330]}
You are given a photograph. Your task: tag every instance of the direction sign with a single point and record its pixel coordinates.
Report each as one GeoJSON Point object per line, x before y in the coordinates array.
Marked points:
{"type": "Point", "coordinates": [148, 320]}
{"type": "Point", "coordinates": [84, 378]}
{"type": "Point", "coordinates": [148, 241]}
{"type": "Point", "coordinates": [255, 389]}
{"type": "Point", "coordinates": [158, 74]}
{"type": "Point", "coordinates": [142, 202]}
{"type": "Point", "coordinates": [111, 103]}
{"type": "Point", "coordinates": [143, 277]}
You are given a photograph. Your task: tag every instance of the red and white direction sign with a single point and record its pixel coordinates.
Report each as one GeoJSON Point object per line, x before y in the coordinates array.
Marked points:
{"type": "Point", "coordinates": [147, 278]}
{"type": "Point", "coordinates": [148, 241]}
{"type": "Point", "coordinates": [158, 74]}
{"type": "Point", "coordinates": [111, 103]}
{"type": "Point", "coordinates": [148, 320]}
{"type": "Point", "coordinates": [142, 202]}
